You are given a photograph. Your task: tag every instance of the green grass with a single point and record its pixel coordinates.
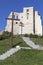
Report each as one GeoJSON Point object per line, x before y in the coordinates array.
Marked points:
{"type": "Point", "coordinates": [5, 44]}
{"type": "Point", "coordinates": [19, 41]}
{"type": "Point", "coordinates": [38, 40]}
{"type": "Point", "coordinates": [22, 57]}
{"type": "Point", "coordinates": [25, 57]}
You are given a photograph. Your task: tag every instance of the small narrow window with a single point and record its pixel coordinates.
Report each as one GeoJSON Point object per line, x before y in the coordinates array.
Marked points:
{"type": "Point", "coordinates": [27, 15]}
{"type": "Point", "coordinates": [27, 10]}
{"type": "Point", "coordinates": [16, 16]}
{"type": "Point", "coordinates": [16, 22]}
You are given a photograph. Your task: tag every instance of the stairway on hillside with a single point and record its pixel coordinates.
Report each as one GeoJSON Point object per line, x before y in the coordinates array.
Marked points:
{"type": "Point", "coordinates": [32, 44]}
{"type": "Point", "coordinates": [9, 53]}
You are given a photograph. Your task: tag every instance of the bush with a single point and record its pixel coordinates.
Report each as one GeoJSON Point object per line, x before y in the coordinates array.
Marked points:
{"type": "Point", "coordinates": [34, 36]}
{"type": "Point", "coordinates": [26, 35]}
{"type": "Point", "coordinates": [5, 35]}
{"type": "Point", "coordinates": [0, 37]}
{"type": "Point", "coordinates": [31, 35]}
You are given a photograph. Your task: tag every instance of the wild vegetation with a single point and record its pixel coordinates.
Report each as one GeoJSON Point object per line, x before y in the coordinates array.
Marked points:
{"type": "Point", "coordinates": [22, 57]}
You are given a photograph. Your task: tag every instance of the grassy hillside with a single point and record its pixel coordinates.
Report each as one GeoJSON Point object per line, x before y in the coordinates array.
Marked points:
{"type": "Point", "coordinates": [5, 44]}
{"type": "Point", "coordinates": [22, 57]}
{"type": "Point", "coordinates": [25, 57]}
{"type": "Point", "coordinates": [38, 40]}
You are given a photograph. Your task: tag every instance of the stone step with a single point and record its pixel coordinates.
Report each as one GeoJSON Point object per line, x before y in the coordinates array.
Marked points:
{"type": "Point", "coordinates": [9, 53]}
{"type": "Point", "coordinates": [31, 43]}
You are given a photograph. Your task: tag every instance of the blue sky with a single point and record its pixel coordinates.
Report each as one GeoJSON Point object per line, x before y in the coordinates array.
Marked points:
{"type": "Point", "coordinates": [6, 6]}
